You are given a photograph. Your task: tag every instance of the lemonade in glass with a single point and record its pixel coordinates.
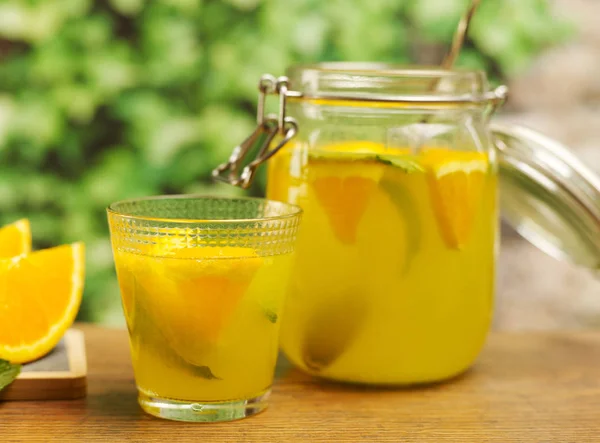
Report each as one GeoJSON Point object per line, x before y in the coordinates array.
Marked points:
{"type": "Point", "coordinates": [203, 283]}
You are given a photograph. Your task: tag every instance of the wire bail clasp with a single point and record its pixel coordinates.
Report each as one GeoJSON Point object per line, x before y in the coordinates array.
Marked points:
{"type": "Point", "coordinates": [267, 128]}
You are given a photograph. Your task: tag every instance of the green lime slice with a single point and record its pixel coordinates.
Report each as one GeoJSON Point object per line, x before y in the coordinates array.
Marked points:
{"type": "Point", "coordinates": [405, 163]}
{"type": "Point", "coordinates": [332, 328]}
{"type": "Point", "coordinates": [406, 207]}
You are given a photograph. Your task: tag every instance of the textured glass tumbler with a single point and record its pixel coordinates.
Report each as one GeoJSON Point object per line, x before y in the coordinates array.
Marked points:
{"type": "Point", "coordinates": [202, 283]}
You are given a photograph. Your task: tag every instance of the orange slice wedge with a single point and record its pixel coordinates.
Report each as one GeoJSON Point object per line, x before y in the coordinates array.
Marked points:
{"type": "Point", "coordinates": [345, 200]}
{"type": "Point", "coordinates": [456, 181]}
{"type": "Point", "coordinates": [15, 239]}
{"type": "Point", "coordinates": [344, 177]}
{"type": "Point", "coordinates": [188, 294]}
{"type": "Point", "coordinates": [40, 294]}
{"type": "Point", "coordinates": [210, 286]}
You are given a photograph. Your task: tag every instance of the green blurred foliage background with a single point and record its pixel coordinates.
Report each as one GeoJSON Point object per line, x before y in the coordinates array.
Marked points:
{"type": "Point", "coordinates": [102, 100]}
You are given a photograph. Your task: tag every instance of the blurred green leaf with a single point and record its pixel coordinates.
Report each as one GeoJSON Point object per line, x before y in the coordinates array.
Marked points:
{"type": "Point", "coordinates": [107, 100]}
{"type": "Point", "coordinates": [127, 7]}
{"type": "Point", "coordinates": [437, 18]}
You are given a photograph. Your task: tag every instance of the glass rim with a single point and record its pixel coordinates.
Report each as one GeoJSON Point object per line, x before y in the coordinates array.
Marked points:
{"type": "Point", "coordinates": [382, 69]}
{"type": "Point", "coordinates": [427, 85]}
{"type": "Point", "coordinates": [293, 211]}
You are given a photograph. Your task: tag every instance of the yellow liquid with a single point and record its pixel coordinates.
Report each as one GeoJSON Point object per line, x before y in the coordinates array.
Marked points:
{"type": "Point", "coordinates": [394, 276]}
{"type": "Point", "coordinates": [203, 322]}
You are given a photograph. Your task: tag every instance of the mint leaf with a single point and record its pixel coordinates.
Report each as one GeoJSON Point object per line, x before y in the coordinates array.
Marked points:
{"type": "Point", "coordinates": [8, 373]}
{"type": "Point", "coordinates": [403, 163]}
{"type": "Point", "coordinates": [204, 372]}
{"type": "Point", "coordinates": [342, 155]}
{"type": "Point", "coordinates": [271, 315]}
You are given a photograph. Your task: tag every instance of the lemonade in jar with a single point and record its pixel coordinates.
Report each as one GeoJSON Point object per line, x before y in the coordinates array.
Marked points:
{"type": "Point", "coordinates": [394, 276]}
{"type": "Point", "coordinates": [397, 170]}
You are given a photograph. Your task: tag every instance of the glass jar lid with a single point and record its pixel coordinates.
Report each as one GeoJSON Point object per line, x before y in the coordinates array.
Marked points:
{"type": "Point", "coordinates": [548, 196]}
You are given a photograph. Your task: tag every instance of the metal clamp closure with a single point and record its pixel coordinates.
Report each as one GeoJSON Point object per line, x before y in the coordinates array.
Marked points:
{"type": "Point", "coordinates": [283, 128]}
{"type": "Point", "coordinates": [268, 127]}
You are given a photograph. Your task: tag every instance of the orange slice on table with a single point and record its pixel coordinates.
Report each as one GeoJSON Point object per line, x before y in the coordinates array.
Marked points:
{"type": "Point", "coordinates": [15, 239]}
{"type": "Point", "coordinates": [344, 177]}
{"type": "Point", "coordinates": [456, 181]}
{"type": "Point", "coordinates": [40, 294]}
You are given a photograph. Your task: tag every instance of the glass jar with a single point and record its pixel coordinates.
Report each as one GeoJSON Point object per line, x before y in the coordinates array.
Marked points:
{"type": "Point", "coordinates": [397, 170]}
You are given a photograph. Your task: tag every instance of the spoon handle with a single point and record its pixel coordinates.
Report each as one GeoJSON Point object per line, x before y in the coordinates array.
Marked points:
{"type": "Point", "coordinates": [459, 35]}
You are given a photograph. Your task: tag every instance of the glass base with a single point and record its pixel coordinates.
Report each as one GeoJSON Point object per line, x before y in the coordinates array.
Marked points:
{"type": "Point", "coordinates": [200, 412]}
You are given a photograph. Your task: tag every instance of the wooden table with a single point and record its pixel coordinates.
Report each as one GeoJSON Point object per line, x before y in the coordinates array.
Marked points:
{"type": "Point", "coordinates": [526, 387]}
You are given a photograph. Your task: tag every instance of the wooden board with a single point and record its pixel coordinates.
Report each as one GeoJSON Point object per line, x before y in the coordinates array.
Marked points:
{"type": "Point", "coordinates": [60, 375]}
{"type": "Point", "coordinates": [529, 387]}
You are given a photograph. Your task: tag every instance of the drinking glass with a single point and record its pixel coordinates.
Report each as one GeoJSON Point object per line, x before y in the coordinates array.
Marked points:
{"type": "Point", "coordinates": [202, 283]}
